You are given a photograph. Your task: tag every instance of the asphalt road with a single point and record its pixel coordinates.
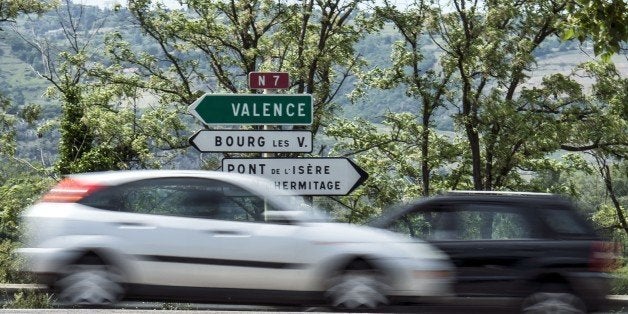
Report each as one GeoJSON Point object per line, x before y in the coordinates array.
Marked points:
{"type": "Point", "coordinates": [617, 304]}
{"type": "Point", "coordinates": [157, 307]}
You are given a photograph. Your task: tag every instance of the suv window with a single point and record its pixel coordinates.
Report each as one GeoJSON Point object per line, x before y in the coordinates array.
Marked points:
{"type": "Point", "coordinates": [564, 222]}
{"type": "Point", "coordinates": [184, 197]}
{"type": "Point", "coordinates": [468, 222]}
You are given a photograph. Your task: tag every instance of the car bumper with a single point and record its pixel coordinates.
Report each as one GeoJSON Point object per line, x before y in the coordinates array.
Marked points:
{"type": "Point", "coordinates": [43, 264]}
{"type": "Point", "coordinates": [421, 280]}
{"type": "Point", "coordinates": [593, 288]}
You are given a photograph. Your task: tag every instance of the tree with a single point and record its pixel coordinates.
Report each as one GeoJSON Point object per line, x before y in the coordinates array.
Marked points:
{"type": "Point", "coordinates": [609, 185]}
{"type": "Point", "coordinates": [215, 44]}
{"type": "Point", "coordinates": [490, 44]}
{"type": "Point", "coordinates": [21, 183]}
{"type": "Point", "coordinates": [511, 129]}
{"type": "Point", "coordinates": [10, 9]}
{"type": "Point", "coordinates": [101, 126]}
{"type": "Point", "coordinates": [391, 155]}
{"type": "Point", "coordinates": [607, 137]}
{"type": "Point", "coordinates": [486, 48]}
{"type": "Point", "coordinates": [422, 81]}
{"type": "Point", "coordinates": [7, 127]}
{"type": "Point", "coordinates": [602, 21]}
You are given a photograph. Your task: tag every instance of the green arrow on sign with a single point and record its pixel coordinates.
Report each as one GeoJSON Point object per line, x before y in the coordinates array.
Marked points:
{"type": "Point", "coordinates": [253, 109]}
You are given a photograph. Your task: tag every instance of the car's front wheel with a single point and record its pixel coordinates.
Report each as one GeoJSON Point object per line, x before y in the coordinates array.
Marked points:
{"type": "Point", "coordinates": [89, 282]}
{"type": "Point", "coordinates": [357, 286]}
{"type": "Point", "coordinates": [550, 300]}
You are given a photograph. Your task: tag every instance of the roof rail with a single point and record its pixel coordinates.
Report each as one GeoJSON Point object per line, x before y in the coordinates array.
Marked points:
{"type": "Point", "coordinates": [517, 193]}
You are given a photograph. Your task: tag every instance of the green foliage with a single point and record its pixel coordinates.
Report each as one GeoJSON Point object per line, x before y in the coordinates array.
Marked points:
{"type": "Point", "coordinates": [19, 188]}
{"type": "Point", "coordinates": [177, 306]}
{"type": "Point", "coordinates": [619, 285]}
{"type": "Point", "coordinates": [516, 135]}
{"type": "Point", "coordinates": [8, 263]}
{"type": "Point", "coordinates": [10, 9]}
{"type": "Point", "coordinates": [606, 219]}
{"type": "Point", "coordinates": [390, 154]}
{"type": "Point", "coordinates": [30, 299]}
{"type": "Point", "coordinates": [101, 126]}
{"type": "Point", "coordinates": [313, 42]}
{"type": "Point", "coordinates": [603, 21]}
{"type": "Point", "coordinates": [596, 197]}
{"type": "Point", "coordinates": [7, 127]}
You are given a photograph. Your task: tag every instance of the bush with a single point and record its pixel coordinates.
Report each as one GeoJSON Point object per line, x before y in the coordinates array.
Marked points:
{"type": "Point", "coordinates": [30, 299]}
{"type": "Point", "coordinates": [620, 281]}
{"type": "Point", "coordinates": [8, 263]}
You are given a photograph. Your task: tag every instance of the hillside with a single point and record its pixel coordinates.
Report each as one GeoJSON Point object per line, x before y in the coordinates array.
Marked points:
{"type": "Point", "coordinates": [20, 82]}
{"type": "Point", "coordinates": [18, 78]}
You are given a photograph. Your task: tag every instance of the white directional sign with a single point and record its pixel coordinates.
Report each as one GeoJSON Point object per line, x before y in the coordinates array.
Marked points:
{"type": "Point", "coordinates": [252, 141]}
{"type": "Point", "coordinates": [304, 176]}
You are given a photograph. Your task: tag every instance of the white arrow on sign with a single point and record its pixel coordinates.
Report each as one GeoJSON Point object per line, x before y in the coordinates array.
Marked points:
{"type": "Point", "coordinates": [267, 141]}
{"type": "Point", "coordinates": [304, 176]}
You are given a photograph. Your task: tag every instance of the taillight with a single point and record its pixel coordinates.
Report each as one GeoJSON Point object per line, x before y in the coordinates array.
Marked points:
{"type": "Point", "coordinates": [605, 256]}
{"type": "Point", "coordinates": [70, 190]}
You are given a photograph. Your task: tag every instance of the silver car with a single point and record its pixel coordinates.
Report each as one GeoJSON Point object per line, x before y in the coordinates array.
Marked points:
{"type": "Point", "coordinates": [97, 238]}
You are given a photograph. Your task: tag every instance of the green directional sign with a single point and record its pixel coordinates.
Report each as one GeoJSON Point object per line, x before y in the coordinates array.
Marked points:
{"type": "Point", "coordinates": [253, 109]}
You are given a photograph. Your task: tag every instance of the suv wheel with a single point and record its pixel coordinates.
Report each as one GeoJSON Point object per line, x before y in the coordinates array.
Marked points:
{"type": "Point", "coordinates": [358, 286]}
{"type": "Point", "coordinates": [553, 300]}
{"type": "Point", "coordinates": [89, 282]}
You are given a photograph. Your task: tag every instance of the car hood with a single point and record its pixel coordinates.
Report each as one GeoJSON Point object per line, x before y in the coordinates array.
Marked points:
{"type": "Point", "coordinates": [382, 241]}
{"type": "Point", "coordinates": [356, 233]}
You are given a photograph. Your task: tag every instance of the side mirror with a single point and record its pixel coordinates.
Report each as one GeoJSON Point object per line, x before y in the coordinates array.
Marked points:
{"type": "Point", "coordinates": [287, 217]}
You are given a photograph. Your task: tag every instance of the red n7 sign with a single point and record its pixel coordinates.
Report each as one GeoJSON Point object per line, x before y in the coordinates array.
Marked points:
{"type": "Point", "coordinates": [269, 80]}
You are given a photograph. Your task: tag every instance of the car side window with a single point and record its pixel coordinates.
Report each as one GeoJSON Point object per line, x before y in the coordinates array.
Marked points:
{"type": "Point", "coordinates": [469, 222]}
{"type": "Point", "coordinates": [184, 197]}
{"type": "Point", "coordinates": [564, 222]}
{"type": "Point", "coordinates": [427, 224]}
{"type": "Point", "coordinates": [487, 223]}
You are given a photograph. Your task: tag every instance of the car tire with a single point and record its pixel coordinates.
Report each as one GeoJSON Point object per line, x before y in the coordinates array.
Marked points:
{"type": "Point", "coordinates": [357, 286]}
{"type": "Point", "coordinates": [89, 282]}
{"type": "Point", "coordinates": [553, 299]}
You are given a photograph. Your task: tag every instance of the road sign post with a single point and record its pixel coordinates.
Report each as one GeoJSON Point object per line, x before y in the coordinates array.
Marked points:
{"type": "Point", "coordinates": [304, 176]}
{"type": "Point", "coordinates": [253, 109]}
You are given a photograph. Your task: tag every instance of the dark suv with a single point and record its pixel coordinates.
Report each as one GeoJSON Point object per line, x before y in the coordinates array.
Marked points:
{"type": "Point", "coordinates": [531, 250]}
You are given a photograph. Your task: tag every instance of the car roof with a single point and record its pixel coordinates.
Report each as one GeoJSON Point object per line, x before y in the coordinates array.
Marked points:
{"type": "Point", "coordinates": [497, 193]}
{"type": "Point", "coordinates": [126, 176]}
{"type": "Point", "coordinates": [505, 196]}
{"type": "Point", "coordinates": [460, 196]}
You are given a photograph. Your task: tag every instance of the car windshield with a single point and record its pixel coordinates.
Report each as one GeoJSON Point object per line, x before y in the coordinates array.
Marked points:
{"type": "Point", "coordinates": [286, 200]}
{"type": "Point", "coordinates": [389, 215]}
{"type": "Point", "coordinates": [296, 203]}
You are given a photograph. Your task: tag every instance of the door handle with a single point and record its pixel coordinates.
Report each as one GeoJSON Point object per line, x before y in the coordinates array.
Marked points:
{"type": "Point", "coordinates": [134, 225]}
{"type": "Point", "coordinates": [228, 234]}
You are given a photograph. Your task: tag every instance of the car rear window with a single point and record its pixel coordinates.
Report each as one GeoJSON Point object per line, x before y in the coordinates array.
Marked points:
{"type": "Point", "coordinates": [564, 221]}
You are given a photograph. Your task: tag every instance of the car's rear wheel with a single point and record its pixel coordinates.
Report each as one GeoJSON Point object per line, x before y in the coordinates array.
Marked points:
{"type": "Point", "coordinates": [89, 282]}
{"type": "Point", "coordinates": [553, 299]}
{"type": "Point", "coordinates": [357, 286]}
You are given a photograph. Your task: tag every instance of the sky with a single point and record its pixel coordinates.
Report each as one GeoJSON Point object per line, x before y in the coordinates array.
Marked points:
{"type": "Point", "coordinates": [110, 3]}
